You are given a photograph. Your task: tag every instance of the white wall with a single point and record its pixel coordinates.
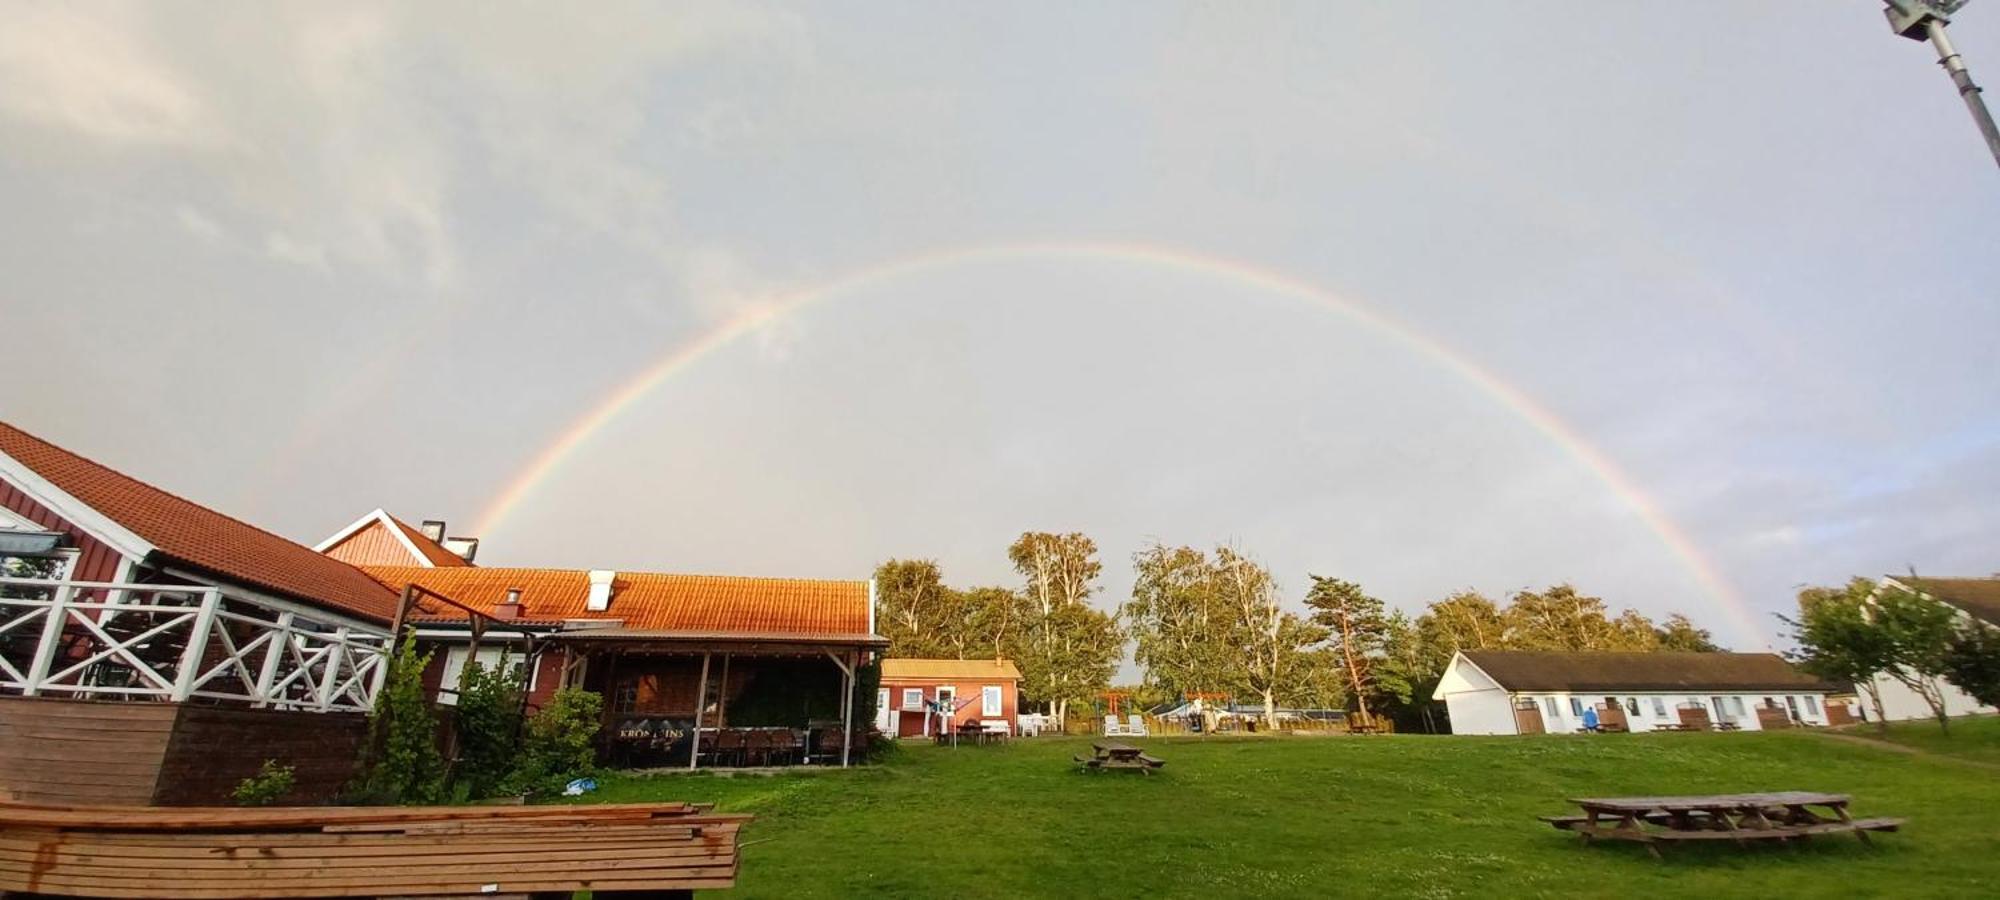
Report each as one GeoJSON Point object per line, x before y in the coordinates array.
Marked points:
{"type": "Point", "coordinates": [1477, 705]}
{"type": "Point", "coordinates": [1899, 702]}
{"type": "Point", "coordinates": [1566, 720]}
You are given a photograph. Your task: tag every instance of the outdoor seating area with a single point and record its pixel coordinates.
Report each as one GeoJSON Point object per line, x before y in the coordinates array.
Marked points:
{"type": "Point", "coordinates": [1780, 816]}
{"type": "Point", "coordinates": [609, 850]}
{"type": "Point", "coordinates": [1119, 756]}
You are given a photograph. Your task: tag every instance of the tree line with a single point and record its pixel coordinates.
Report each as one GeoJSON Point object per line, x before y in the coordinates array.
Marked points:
{"type": "Point", "coordinates": [1218, 622]}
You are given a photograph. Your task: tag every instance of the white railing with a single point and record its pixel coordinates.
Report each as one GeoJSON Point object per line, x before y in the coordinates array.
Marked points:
{"type": "Point", "coordinates": [177, 642]}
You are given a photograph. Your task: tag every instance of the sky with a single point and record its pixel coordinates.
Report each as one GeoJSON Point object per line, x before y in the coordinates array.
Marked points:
{"type": "Point", "coordinates": [1685, 304]}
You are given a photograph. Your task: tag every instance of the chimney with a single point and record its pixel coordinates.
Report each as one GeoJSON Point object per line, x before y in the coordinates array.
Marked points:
{"type": "Point", "coordinates": [466, 548]}
{"type": "Point", "coordinates": [510, 608]}
{"type": "Point", "coordinates": [600, 590]}
{"type": "Point", "coordinates": [433, 529]}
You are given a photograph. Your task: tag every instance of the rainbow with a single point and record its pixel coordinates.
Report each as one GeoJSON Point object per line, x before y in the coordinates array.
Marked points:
{"type": "Point", "coordinates": [614, 404]}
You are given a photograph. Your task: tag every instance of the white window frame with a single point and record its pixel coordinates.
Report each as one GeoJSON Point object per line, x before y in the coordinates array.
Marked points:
{"type": "Point", "coordinates": [992, 700]}
{"type": "Point", "coordinates": [1549, 707]}
{"type": "Point", "coordinates": [947, 697]}
{"type": "Point", "coordinates": [1812, 704]}
{"type": "Point", "coordinates": [454, 668]}
{"type": "Point", "coordinates": [913, 699]}
{"type": "Point", "coordinates": [1576, 707]}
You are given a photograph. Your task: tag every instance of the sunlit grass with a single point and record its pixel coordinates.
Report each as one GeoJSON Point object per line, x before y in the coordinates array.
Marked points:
{"type": "Point", "coordinates": [1378, 816]}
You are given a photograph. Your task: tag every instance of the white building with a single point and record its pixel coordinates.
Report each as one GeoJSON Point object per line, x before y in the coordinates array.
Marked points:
{"type": "Point", "coordinates": [1976, 600]}
{"type": "Point", "coordinates": [1521, 692]}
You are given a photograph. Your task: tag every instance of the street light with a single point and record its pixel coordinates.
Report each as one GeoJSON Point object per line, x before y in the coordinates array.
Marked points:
{"type": "Point", "coordinates": [1924, 20]}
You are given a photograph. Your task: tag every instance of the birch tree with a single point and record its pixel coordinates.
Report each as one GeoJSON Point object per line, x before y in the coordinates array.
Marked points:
{"type": "Point", "coordinates": [1064, 642]}
{"type": "Point", "coordinates": [912, 607]}
{"type": "Point", "coordinates": [1271, 643]}
{"type": "Point", "coordinates": [1179, 626]}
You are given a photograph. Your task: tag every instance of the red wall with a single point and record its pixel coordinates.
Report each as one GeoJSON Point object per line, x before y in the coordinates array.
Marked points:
{"type": "Point", "coordinates": [909, 723]}
{"type": "Point", "coordinates": [97, 562]}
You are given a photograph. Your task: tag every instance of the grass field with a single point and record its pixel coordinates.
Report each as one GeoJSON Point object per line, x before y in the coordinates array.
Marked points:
{"type": "Point", "coordinates": [1976, 739]}
{"type": "Point", "coordinates": [1406, 816]}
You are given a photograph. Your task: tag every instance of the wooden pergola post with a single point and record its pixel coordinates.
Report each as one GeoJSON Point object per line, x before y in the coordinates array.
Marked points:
{"type": "Point", "coordinates": [700, 700]}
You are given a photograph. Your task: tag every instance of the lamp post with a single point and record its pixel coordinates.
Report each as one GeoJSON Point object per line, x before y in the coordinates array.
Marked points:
{"type": "Point", "coordinates": [1924, 20]}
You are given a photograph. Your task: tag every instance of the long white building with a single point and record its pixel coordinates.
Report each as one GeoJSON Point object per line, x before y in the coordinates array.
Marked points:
{"type": "Point", "coordinates": [1522, 692]}
{"type": "Point", "coordinates": [1976, 600]}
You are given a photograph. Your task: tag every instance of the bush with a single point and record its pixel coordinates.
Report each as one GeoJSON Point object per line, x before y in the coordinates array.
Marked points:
{"type": "Point", "coordinates": [268, 786]}
{"type": "Point", "coordinates": [403, 763]}
{"type": "Point", "coordinates": [560, 744]}
{"type": "Point", "coordinates": [488, 717]}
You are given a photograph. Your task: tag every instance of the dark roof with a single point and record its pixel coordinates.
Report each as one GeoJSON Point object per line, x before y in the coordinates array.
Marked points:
{"type": "Point", "coordinates": [1518, 670]}
{"type": "Point", "coordinates": [1979, 597]}
{"type": "Point", "coordinates": [201, 538]}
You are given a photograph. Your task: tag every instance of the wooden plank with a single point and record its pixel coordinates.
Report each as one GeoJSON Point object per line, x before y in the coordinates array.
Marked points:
{"type": "Point", "coordinates": [130, 818]}
{"type": "Point", "coordinates": [366, 852]}
{"type": "Point", "coordinates": [721, 876]}
{"type": "Point", "coordinates": [488, 869]}
{"type": "Point", "coordinates": [97, 856]}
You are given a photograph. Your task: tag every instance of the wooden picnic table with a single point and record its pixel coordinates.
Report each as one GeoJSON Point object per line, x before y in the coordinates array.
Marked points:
{"type": "Point", "coordinates": [1777, 815]}
{"type": "Point", "coordinates": [1119, 755]}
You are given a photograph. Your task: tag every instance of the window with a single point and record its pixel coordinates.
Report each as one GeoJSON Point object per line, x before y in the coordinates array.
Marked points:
{"type": "Point", "coordinates": [1576, 707]}
{"type": "Point", "coordinates": [989, 700]}
{"type": "Point", "coordinates": [1632, 705]}
{"type": "Point", "coordinates": [1659, 708]}
{"type": "Point", "coordinates": [913, 698]}
{"type": "Point", "coordinates": [1812, 705]}
{"type": "Point", "coordinates": [489, 657]}
{"type": "Point", "coordinates": [1736, 705]}
{"type": "Point", "coordinates": [1792, 707]}
{"type": "Point", "coordinates": [1549, 704]}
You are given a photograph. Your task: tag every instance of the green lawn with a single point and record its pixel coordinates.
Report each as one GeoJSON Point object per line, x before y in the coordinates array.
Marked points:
{"type": "Point", "coordinates": [1405, 816]}
{"type": "Point", "coordinates": [1976, 738]}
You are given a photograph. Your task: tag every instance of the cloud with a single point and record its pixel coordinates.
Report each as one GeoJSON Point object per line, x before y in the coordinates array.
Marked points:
{"type": "Point", "coordinates": [98, 75]}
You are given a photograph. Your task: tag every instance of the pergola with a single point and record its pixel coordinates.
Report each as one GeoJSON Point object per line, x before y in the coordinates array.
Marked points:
{"type": "Point", "coordinates": [716, 650]}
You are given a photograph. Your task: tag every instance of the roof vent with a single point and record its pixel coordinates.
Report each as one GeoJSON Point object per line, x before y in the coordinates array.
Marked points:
{"type": "Point", "coordinates": [600, 590]}
{"type": "Point", "coordinates": [465, 548]}
{"type": "Point", "coordinates": [433, 529]}
{"type": "Point", "coordinates": [509, 608]}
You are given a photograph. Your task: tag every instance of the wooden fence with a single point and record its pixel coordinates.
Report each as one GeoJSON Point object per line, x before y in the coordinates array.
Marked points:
{"type": "Point", "coordinates": [63, 751]}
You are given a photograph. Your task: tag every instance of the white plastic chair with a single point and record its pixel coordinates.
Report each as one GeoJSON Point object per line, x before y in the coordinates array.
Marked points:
{"type": "Point", "coordinates": [1111, 726]}
{"type": "Point", "coordinates": [1137, 728]}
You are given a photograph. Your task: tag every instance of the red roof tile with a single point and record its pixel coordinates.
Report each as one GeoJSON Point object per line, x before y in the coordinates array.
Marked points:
{"type": "Point", "coordinates": [199, 537]}
{"type": "Point", "coordinates": [651, 600]}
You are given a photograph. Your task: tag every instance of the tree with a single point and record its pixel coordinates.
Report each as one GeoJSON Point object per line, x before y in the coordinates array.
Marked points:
{"type": "Point", "coordinates": [1408, 671]}
{"type": "Point", "coordinates": [1270, 642]}
{"type": "Point", "coordinates": [1558, 619]}
{"type": "Point", "coordinates": [1466, 620]}
{"type": "Point", "coordinates": [1972, 662]}
{"type": "Point", "coordinates": [983, 622]}
{"type": "Point", "coordinates": [1837, 642]}
{"type": "Point", "coordinates": [1633, 632]}
{"type": "Point", "coordinates": [1356, 625]}
{"type": "Point", "coordinates": [1064, 643]}
{"type": "Point", "coordinates": [1681, 634]}
{"type": "Point", "coordinates": [1178, 623]}
{"type": "Point", "coordinates": [1918, 632]}
{"type": "Point", "coordinates": [912, 607]}
{"type": "Point", "coordinates": [488, 718]}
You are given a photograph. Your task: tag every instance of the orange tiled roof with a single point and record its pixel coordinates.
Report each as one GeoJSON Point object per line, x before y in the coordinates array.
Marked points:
{"type": "Point", "coordinates": [432, 550]}
{"type": "Point", "coordinates": [652, 600]}
{"type": "Point", "coordinates": [200, 537]}
{"type": "Point", "coordinates": [949, 670]}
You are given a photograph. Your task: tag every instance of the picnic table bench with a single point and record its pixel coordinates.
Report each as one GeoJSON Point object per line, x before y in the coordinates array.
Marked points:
{"type": "Point", "coordinates": [1118, 755]}
{"type": "Point", "coordinates": [1775, 816]}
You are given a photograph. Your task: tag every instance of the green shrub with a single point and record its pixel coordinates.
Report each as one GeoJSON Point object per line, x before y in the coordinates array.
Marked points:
{"type": "Point", "coordinates": [403, 764]}
{"type": "Point", "coordinates": [488, 718]}
{"type": "Point", "coordinates": [560, 744]}
{"type": "Point", "coordinates": [268, 786]}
